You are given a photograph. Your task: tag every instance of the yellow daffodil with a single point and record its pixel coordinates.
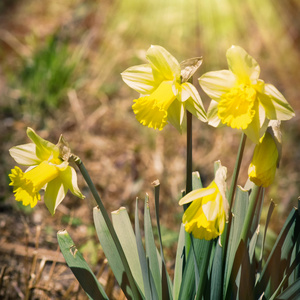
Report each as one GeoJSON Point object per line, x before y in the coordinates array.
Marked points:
{"type": "Point", "coordinates": [206, 216]}
{"type": "Point", "coordinates": [266, 157]}
{"type": "Point", "coordinates": [164, 97]}
{"type": "Point", "coordinates": [240, 99]}
{"type": "Point", "coordinates": [47, 170]}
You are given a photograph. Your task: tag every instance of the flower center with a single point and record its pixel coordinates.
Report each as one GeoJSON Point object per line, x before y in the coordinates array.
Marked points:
{"type": "Point", "coordinates": [27, 185]}
{"type": "Point", "coordinates": [236, 107]}
{"type": "Point", "coordinates": [151, 110]}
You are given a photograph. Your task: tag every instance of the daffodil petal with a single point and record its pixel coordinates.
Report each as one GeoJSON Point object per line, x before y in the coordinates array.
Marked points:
{"type": "Point", "coordinates": [193, 101]}
{"type": "Point", "coordinates": [176, 113]}
{"type": "Point", "coordinates": [25, 154]}
{"type": "Point", "coordinates": [212, 114]}
{"type": "Point", "coordinates": [258, 126]}
{"type": "Point", "coordinates": [140, 78]}
{"type": "Point", "coordinates": [54, 194]}
{"type": "Point", "coordinates": [44, 149]}
{"type": "Point", "coordinates": [276, 106]}
{"type": "Point", "coordinates": [164, 65]}
{"type": "Point", "coordinates": [217, 83]}
{"type": "Point", "coordinates": [69, 179]}
{"type": "Point", "coordinates": [242, 65]}
{"type": "Point", "coordinates": [196, 194]}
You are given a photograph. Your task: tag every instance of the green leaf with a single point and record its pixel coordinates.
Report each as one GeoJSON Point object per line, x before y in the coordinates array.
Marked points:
{"type": "Point", "coordinates": [196, 181]}
{"type": "Point", "coordinates": [203, 250]}
{"type": "Point", "coordinates": [151, 250]}
{"type": "Point", "coordinates": [216, 274]}
{"type": "Point", "coordinates": [123, 228]}
{"type": "Point", "coordinates": [165, 279]}
{"type": "Point", "coordinates": [79, 267]}
{"type": "Point", "coordinates": [279, 258]}
{"type": "Point", "coordinates": [179, 263]}
{"type": "Point", "coordinates": [290, 293]}
{"type": "Point", "coordinates": [111, 252]}
{"type": "Point", "coordinates": [143, 261]}
{"type": "Point", "coordinates": [238, 217]}
{"type": "Point", "coordinates": [270, 211]}
{"type": "Point", "coordinates": [242, 275]}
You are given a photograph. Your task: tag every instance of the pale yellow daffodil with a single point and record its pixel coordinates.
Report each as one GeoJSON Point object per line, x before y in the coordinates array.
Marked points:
{"type": "Point", "coordinates": [47, 170]}
{"type": "Point", "coordinates": [206, 216]}
{"type": "Point", "coordinates": [240, 99]}
{"type": "Point", "coordinates": [164, 97]}
{"type": "Point", "coordinates": [266, 157]}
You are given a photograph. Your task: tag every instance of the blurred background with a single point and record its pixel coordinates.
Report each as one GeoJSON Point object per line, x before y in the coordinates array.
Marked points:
{"type": "Point", "coordinates": [60, 65]}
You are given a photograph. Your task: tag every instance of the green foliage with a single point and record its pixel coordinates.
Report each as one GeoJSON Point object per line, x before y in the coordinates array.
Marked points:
{"type": "Point", "coordinates": [45, 78]}
{"type": "Point", "coordinates": [79, 267]}
{"type": "Point", "coordinates": [205, 269]}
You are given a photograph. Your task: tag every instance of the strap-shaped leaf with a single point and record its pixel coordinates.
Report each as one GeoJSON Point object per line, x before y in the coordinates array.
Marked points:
{"type": "Point", "coordinates": [290, 293]}
{"type": "Point", "coordinates": [111, 252]}
{"type": "Point", "coordinates": [203, 250]}
{"type": "Point", "coordinates": [242, 275]}
{"type": "Point", "coordinates": [151, 250]}
{"type": "Point", "coordinates": [179, 263]}
{"type": "Point", "coordinates": [123, 228]}
{"type": "Point", "coordinates": [216, 277]}
{"type": "Point", "coordinates": [166, 284]}
{"type": "Point", "coordinates": [278, 260]}
{"type": "Point", "coordinates": [149, 287]}
{"type": "Point", "coordinates": [79, 267]}
{"type": "Point", "coordinates": [238, 217]}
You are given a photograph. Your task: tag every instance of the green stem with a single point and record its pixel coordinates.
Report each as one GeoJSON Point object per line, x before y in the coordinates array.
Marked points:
{"type": "Point", "coordinates": [235, 176]}
{"type": "Point", "coordinates": [254, 198]}
{"type": "Point", "coordinates": [88, 180]}
{"type": "Point", "coordinates": [236, 169]}
{"type": "Point", "coordinates": [189, 152]}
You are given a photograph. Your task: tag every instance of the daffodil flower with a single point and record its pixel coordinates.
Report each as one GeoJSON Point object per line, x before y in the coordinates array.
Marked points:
{"type": "Point", "coordinates": [206, 216]}
{"type": "Point", "coordinates": [164, 97]}
{"type": "Point", "coordinates": [47, 170]}
{"type": "Point", "coordinates": [240, 99]}
{"type": "Point", "coordinates": [266, 157]}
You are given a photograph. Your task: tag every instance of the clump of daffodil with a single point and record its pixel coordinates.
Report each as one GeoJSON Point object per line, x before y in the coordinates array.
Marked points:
{"type": "Point", "coordinates": [240, 99]}
{"type": "Point", "coordinates": [165, 94]}
{"type": "Point", "coordinates": [266, 157]}
{"type": "Point", "coordinates": [47, 170]}
{"type": "Point", "coordinates": [206, 216]}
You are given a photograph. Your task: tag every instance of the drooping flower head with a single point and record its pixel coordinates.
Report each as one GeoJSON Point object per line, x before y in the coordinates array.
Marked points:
{"type": "Point", "coordinates": [240, 99]}
{"type": "Point", "coordinates": [206, 216]}
{"type": "Point", "coordinates": [47, 170]}
{"type": "Point", "coordinates": [165, 94]}
{"type": "Point", "coordinates": [266, 156]}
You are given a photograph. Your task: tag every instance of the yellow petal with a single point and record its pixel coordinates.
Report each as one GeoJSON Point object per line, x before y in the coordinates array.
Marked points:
{"type": "Point", "coordinates": [242, 65]}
